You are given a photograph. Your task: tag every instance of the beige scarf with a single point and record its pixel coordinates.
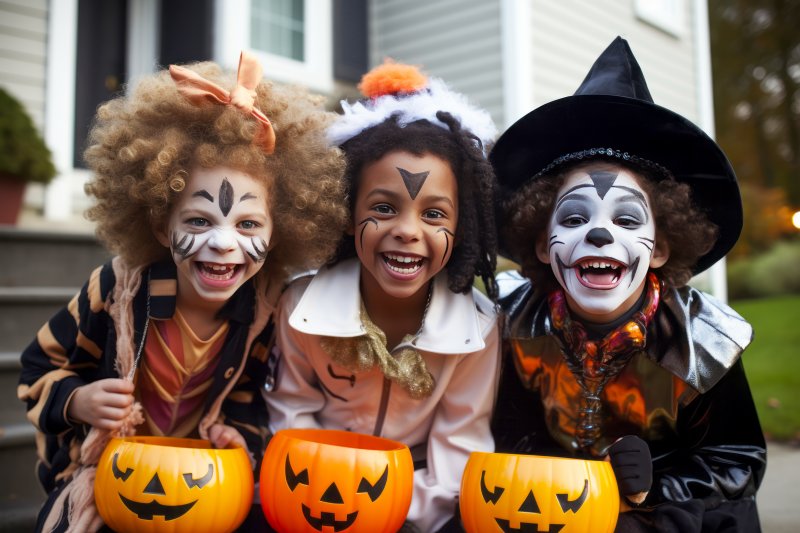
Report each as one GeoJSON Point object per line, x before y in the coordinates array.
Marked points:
{"type": "Point", "coordinates": [407, 368]}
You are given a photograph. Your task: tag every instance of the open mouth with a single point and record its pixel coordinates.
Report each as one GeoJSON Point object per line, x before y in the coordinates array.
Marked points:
{"type": "Point", "coordinates": [328, 519]}
{"type": "Point", "coordinates": [600, 273]}
{"type": "Point", "coordinates": [217, 271]}
{"type": "Point", "coordinates": [403, 264]}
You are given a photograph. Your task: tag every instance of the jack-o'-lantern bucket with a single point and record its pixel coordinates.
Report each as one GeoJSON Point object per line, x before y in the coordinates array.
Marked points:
{"type": "Point", "coordinates": [315, 480]}
{"type": "Point", "coordinates": [509, 492]}
{"type": "Point", "coordinates": [164, 484]}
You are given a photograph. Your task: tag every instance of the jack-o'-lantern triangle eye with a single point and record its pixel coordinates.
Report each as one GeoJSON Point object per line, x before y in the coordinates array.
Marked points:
{"type": "Point", "coordinates": [488, 495]}
{"type": "Point", "coordinates": [574, 505]}
{"type": "Point", "coordinates": [374, 491]}
{"type": "Point", "coordinates": [293, 479]}
{"type": "Point", "coordinates": [119, 474]}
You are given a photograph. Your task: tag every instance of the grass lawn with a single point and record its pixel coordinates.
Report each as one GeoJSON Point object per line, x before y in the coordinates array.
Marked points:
{"type": "Point", "coordinates": [772, 363]}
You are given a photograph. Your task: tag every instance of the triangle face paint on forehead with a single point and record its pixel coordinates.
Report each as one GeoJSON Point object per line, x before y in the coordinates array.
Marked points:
{"type": "Point", "coordinates": [603, 181]}
{"type": "Point", "coordinates": [413, 181]}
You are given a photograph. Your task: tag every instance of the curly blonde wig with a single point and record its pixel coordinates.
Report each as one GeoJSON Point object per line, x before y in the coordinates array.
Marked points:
{"type": "Point", "coordinates": [142, 148]}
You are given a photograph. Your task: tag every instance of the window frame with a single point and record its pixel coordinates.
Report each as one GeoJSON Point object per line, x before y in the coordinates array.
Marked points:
{"type": "Point", "coordinates": [666, 15]}
{"type": "Point", "coordinates": [315, 72]}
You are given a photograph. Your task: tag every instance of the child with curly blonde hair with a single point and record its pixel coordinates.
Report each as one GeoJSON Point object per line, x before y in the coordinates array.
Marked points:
{"type": "Point", "coordinates": [210, 199]}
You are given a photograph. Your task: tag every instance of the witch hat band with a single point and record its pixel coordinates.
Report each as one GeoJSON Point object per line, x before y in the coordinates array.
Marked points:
{"type": "Point", "coordinates": [613, 116]}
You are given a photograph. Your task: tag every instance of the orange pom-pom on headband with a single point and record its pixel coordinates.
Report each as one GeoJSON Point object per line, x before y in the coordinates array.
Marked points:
{"type": "Point", "coordinates": [200, 91]}
{"type": "Point", "coordinates": [402, 91]}
{"type": "Point", "coordinates": [392, 79]}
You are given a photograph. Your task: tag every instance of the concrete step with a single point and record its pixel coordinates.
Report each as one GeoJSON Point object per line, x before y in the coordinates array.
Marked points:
{"type": "Point", "coordinates": [21, 496]}
{"type": "Point", "coordinates": [23, 310]}
{"type": "Point", "coordinates": [39, 258]}
{"type": "Point", "coordinates": [12, 411]}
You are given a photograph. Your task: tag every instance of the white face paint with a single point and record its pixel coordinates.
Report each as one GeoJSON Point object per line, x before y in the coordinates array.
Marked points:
{"type": "Point", "coordinates": [601, 241]}
{"type": "Point", "coordinates": [218, 232]}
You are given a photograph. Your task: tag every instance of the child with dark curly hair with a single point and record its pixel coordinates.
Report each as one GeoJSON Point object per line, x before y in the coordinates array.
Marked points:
{"type": "Point", "coordinates": [391, 339]}
{"type": "Point", "coordinates": [610, 204]}
{"type": "Point", "coordinates": [211, 199]}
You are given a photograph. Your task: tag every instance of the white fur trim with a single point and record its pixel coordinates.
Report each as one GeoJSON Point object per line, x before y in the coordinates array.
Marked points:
{"type": "Point", "coordinates": [424, 104]}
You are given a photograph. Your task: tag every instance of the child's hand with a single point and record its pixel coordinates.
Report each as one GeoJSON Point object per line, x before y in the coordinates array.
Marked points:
{"type": "Point", "coordinates": [103, 404]}
{"type": "Point", "coordinates": [633, 466]}
{"type": "Point", "coordinates": [221, 436]}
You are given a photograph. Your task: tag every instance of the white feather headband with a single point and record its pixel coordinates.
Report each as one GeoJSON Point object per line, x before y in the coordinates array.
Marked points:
{"type": "Point", "coordinates": [410, 107]}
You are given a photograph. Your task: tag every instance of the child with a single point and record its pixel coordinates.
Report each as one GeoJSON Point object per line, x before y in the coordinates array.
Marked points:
{"type": "Point", "coordinates": [205, 204]}
{"type": "Point", "coordinates": [391, 339]}
{"type": "Point", "coordinates": [612, 204]}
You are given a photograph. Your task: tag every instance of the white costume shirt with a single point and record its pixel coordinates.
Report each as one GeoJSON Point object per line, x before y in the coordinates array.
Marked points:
{"type": "Point", "coordinates": [460, 345]}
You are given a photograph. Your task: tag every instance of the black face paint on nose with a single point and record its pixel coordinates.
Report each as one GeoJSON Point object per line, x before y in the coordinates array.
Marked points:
{"type": "Point", "coordinates": [599, 237]}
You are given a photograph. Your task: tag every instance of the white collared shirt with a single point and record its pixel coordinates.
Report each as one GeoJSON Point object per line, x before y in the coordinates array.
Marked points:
{"type": "Point", "coordinates": [459, 342]}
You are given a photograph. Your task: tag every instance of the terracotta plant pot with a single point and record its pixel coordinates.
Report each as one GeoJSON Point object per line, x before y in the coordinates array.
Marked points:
{"type": "Point", "coordinates": [12, 191]}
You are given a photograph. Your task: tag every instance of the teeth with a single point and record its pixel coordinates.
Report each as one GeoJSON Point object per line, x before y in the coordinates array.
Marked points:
{"type": "Point", "coordinates": [410, 270]}
{"type": "Point", "coordinates": [598, 264]}
{"type": "Point", "coordinates": [403, 258]}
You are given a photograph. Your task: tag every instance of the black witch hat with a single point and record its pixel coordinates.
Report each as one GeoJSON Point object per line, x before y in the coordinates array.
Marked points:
{"type": "Point", "coordinates": [613, 116]}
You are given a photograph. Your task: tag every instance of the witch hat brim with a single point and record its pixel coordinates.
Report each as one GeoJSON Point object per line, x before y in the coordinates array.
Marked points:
{"type": "Point", "coordinates": [613, 111]}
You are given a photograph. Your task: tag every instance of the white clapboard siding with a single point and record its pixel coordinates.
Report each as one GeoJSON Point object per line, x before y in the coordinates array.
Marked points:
{"type": "Point", "coordinates": [23, 37]}
{"type": "Point", "coordinates": [456, 40]}
{"type": "Point", "coordinates": [566, 37]}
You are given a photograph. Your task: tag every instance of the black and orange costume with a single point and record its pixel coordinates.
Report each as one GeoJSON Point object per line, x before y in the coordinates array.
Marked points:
{"type": "Point", "coordinates": [79, 345]}
{"type": "Point", "coordinates": [669, 369]}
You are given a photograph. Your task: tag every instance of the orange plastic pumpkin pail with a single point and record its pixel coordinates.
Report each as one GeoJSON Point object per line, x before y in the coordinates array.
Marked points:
{"type": "Point", "coordinates": [163, 484]}
{"type": "Point", "coordinates": [509, 492]}
{"type": "Point", "coordinates": [316, 480]}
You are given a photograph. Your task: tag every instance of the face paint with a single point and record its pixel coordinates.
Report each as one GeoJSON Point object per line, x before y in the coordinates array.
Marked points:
{"type": "Point", "coordinates": [406, 211]}
{"type": "Point", "coordinates": [413, 181]}
{"type": "Point", "coordinates": [601, 241]}
{"type": "Point", "coordinates": [219, 230]}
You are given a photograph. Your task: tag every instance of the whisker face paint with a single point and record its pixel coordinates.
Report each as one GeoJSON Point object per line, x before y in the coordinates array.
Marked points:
{"type": "Point", "coordinates": [406, 208]}
{"type": "Point", "coordinates": [219, 233]}
{"type": "Point", "coordinates": [601, 240]}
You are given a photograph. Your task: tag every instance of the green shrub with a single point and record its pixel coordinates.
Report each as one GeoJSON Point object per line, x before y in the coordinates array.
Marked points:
{"type": "Point", "coordinates": [23, 153]}
{"type": "Point", "coordinates": [773, 273]}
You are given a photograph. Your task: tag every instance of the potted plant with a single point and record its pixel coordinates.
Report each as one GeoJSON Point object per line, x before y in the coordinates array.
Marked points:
{"type": "Point", "coordinates": [24, 157]}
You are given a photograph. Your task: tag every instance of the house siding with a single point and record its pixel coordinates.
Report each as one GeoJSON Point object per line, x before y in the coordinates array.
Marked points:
{"type": "Point", "coordinates": [23, 45]}
{"type": "Point", "coordinates": [566, 38]}
{"type": "Point", "coordinates": [456, 40]}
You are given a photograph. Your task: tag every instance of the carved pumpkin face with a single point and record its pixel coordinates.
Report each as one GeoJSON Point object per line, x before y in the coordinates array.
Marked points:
{"type": "Point", "coordinates": [506, 493]}
{"type": "Point", "coordinates": [162, 484]}
{"type": "Point", "coordinates": [315, 480]}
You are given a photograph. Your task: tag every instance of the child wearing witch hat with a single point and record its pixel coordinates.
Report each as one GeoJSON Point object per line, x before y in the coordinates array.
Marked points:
{"type": "Point", "coordinates": [610, 204]}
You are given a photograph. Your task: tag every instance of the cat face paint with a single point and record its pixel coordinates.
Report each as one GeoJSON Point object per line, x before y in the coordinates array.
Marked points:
{"type": "Point", "coordinates": [601, 242]}
{"type": "Point", "coordinates": [405, 215]}
{"type": "Point", "coordinates": [218, 231]}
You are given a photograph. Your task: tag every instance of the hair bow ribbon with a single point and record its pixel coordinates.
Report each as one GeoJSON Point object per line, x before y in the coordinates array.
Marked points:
{"type": "Point", "coordinates": [199, 91]}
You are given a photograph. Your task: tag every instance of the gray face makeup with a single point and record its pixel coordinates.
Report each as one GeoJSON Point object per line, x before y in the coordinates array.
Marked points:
{"type": "Point", "coordinates": [601, 239]}
{"type": "Point", "coordinates": [413, 181]}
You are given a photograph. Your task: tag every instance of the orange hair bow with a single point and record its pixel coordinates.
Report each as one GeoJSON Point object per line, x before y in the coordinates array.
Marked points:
{"type": "Point", "coordinates": [199, 91]}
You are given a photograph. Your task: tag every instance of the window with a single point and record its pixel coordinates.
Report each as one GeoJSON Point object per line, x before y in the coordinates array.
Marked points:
{"type": "Point", "coordinates": [292, 38]}
{"type": "Point", "coordinates": [277, 27]}
{"type": "Point", "coordinates": [667, 15]}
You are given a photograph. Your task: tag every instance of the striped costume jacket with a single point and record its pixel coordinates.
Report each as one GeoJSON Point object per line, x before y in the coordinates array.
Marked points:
{"type": "Point", "coordinates": [78, 346]}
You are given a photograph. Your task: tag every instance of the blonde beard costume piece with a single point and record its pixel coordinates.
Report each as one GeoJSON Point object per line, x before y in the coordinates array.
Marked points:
{"type": "Point", "coordinates": [458, 344]}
